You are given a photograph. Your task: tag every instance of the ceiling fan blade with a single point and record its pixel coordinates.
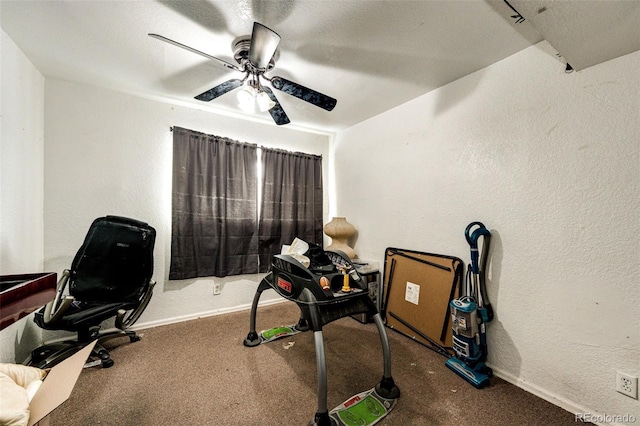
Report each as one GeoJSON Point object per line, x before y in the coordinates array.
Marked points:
{"type": "Point", "coordinates": [304, 93]}
{"type": "Point", "coordinates": [191, 49]}
{"type": "Point", "coordinates": [277, 113]}
{"type": "Point", "coordinates": [264, 43]}
{"type": "Point", "coordinates": [219, 90]}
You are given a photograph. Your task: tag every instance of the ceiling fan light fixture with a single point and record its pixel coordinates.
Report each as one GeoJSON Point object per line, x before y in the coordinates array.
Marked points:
{"type": "Point", "coordinates": [246, 99]}
{"type": "Point", "coordinates": [264, 102]}
{"type": "Point", "coordinates": [252, 98]}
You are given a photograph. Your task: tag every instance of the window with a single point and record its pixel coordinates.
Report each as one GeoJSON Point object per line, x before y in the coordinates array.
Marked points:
{"type": "Point", "coordinates": [215, 226]}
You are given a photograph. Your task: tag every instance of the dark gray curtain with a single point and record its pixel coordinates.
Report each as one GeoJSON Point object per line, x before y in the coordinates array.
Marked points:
{"type": "Point", "coordinates": [291, 201]}
{"type": "Point", "coordinates": [214, 206]}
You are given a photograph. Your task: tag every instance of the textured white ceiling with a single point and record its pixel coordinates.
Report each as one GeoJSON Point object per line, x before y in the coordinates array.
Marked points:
{"type": "Point", "coordinates": [369, 55]}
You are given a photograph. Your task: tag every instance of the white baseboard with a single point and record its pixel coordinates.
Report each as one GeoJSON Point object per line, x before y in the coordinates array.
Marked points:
{"type": "Point", "coordinates": [556, 400]}
{"type": "Point", "coordinates": [174, 320]}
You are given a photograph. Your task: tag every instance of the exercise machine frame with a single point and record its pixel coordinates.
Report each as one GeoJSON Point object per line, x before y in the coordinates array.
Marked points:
{"type": "Point", "coordinates": [320, 306]}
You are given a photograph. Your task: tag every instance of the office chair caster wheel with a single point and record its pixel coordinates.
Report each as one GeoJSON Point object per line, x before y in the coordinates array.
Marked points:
{"type": "Point", "coordinates": [134, 338]}
{"type": "Point", "coordinates": [105, 358]}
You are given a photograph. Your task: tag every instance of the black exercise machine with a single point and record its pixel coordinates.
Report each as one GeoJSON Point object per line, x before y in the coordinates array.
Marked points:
{"type": "Point", "coordinates": [329, 289]}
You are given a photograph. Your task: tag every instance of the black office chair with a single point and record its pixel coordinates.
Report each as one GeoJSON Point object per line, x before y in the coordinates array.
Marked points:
{"type": "Point", "coordinates": [110, 276]}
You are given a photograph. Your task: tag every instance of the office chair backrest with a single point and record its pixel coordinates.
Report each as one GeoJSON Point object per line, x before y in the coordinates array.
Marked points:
{"type": "Point", "coordinates": [115, 262]}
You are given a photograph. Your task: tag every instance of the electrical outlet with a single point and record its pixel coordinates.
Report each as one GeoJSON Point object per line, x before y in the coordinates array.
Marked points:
{"type": "Point", "coordinates": [627, 385]}
{"type": "Point", "coordinates": [217, 289]}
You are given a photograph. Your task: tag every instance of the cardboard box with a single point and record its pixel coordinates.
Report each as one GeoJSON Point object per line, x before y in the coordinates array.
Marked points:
{"type": "Point", "coordinates": [57, 386]}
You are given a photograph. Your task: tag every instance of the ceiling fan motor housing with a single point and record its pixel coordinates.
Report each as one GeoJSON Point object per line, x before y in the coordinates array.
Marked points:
{"type": "Point", "coordinates": [241, 46]}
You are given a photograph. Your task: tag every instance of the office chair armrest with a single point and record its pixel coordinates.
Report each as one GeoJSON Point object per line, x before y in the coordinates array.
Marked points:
{"type": "Point", "coordinates": [125, 319]}
{"type": "Point", "coordinates": [56, 308]}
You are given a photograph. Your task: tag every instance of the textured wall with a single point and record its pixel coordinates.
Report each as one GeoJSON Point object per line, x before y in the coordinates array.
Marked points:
{"type": "Point", "coordinates": [21, 175]}
{"type": "Point", "coordinates": [21, 180]}
{"type": "Point", "coordinates": [550, 163]}
{"type": "Point", "coordinates": [110, 153]}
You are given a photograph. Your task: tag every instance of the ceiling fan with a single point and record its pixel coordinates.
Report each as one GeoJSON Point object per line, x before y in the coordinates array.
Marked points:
{"type": "Point", "coordinates": [256, 55]}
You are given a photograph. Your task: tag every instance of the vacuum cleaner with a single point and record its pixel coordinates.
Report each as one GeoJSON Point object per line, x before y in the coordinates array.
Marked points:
{"type": "Point", "coordinates": [470, 314]}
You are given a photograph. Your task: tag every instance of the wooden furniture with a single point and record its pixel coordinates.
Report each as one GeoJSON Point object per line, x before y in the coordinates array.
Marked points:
{"type": "Point", "coordinates": [22, 294]}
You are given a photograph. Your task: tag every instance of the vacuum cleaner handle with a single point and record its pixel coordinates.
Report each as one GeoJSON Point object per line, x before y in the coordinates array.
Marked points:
{"type": "Point", "coordinates": [478, 266]}
{"type": "Point", "coordinates": [472, 239]}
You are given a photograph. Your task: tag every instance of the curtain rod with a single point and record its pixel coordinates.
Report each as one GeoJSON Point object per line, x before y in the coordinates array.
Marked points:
{"type": "Point", "coordinates": [171, 128]}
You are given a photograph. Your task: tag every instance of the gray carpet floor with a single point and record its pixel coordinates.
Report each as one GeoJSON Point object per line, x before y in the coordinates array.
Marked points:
{"type": "Point", "coordinates": [199, 373]}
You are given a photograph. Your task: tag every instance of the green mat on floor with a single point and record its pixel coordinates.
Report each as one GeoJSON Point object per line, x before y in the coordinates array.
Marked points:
{"type": "Point", "coordinates": [277, 333]}
{"type": "Point", "coordinates": [364, 409]}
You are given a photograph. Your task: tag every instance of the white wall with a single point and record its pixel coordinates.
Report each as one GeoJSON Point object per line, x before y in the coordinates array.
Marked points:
{"type": "Point", "coordinates": [550, 163]}
{"type": "Point", "coordinates": [110, 153]}
{"type": "Point", "coordinates": [21, 153]}
{"type": "Point", "coordinates": [21, 178]}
